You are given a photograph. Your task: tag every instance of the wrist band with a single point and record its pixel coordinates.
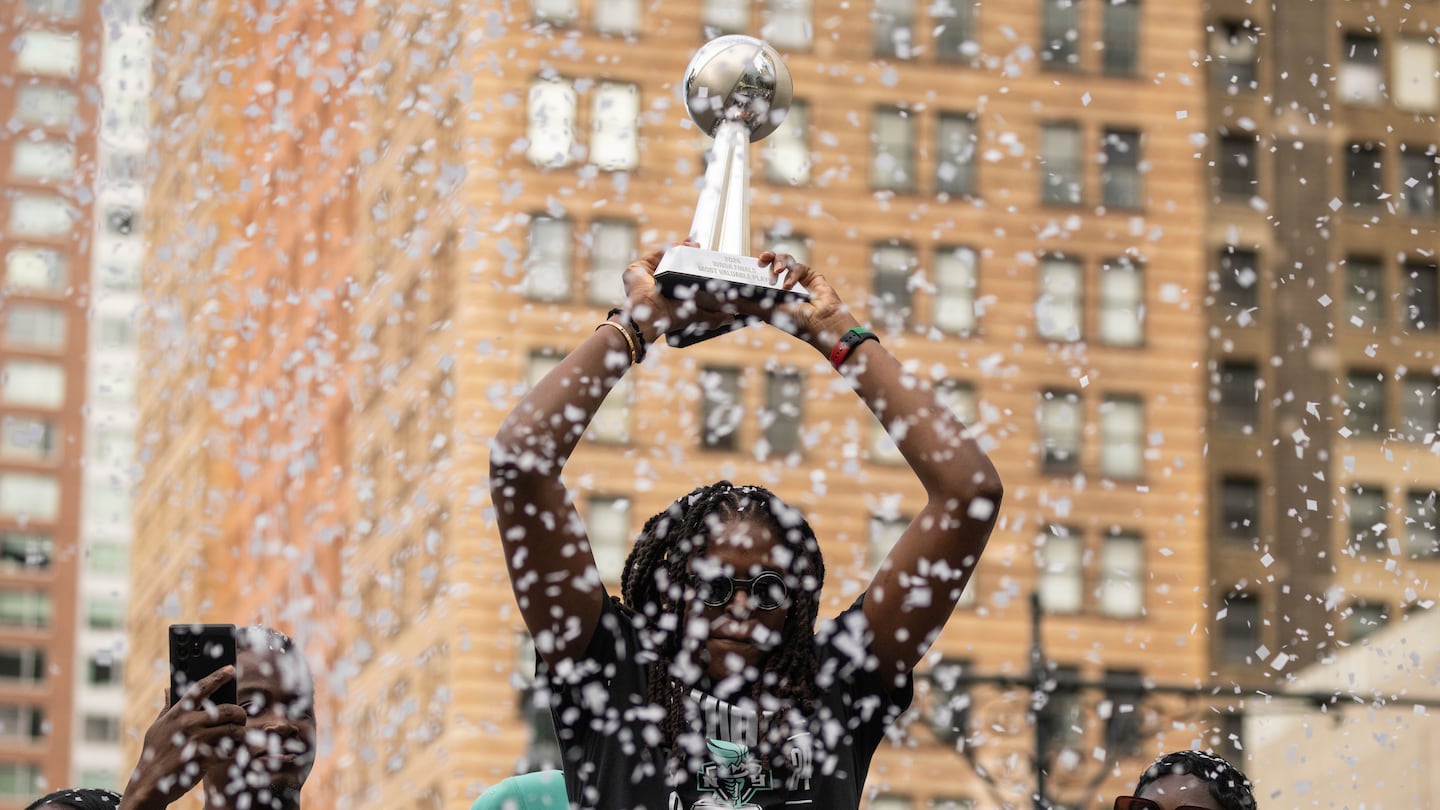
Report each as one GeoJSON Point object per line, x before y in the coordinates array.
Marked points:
{"type": "Point", "coordinates": [848, 342]}
{"type": "Point", "coordinates": [634, 329]}
{"type": "Point", "coordinates": [624, 333]}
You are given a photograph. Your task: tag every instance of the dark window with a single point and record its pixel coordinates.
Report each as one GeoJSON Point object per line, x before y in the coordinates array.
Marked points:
{"type": "Point", "coordinates": [104, 668]}
{"type": "Point", "coordinates": [102, 728]}
{"type": "Point", "coordinates": [1121, 23]}
{"type": "Point", "coordinates": [1419, 407]}
{"type": "Point", "coordinates": [891, 266]}
{"type": "Point", "coordinates": [955, 154]}
{"type": "Point", "coordinates": [1061, 423]}
{"type": "Point", "coordinates": [893, 28]}
{"type": "Point", "coordinates": [1367, 519]}
{"type": "Point", "coordinates": [1365, 402]}
{"type": "Point", "coordinates": [1239, 628]}
{"type": "Point", "coordinates": [1235, 167]}
{"type": "Point", "coordinates": [1240, 509]}
{"type": "Point", "coordinates": [20, 549]}
{"type": "Point", "coordinates": [1124, 690]}
{"type": "Point", "coordinates": [1060, 34]}
{"type": "Point", "coordinates": [954, 24]}
{"type": "Point", "coordinates": [1060, 717]}
{"type": "Point", "coordinates": [22, 664]}
{"type": "Point", "coordinates": [1237, 286]}
{"type": "Point", "coordinates": [1364, 292]}
{"type": "Point", "coordinates": [949, 716]}
{"type": "Point", "coordinates": [1365, 618]}
{"type": "Point", "coordinates": [1417, 181]}
{"type": "Point", "coordinates": [1422, 294]}
{"type": "Point", "coordinates": [1234, 50]}
{"type": "Point", "coordinates": [1360, 78]}
{"type": "Point", "coordinates": [892, 161]}
{"type": "Point", "coordinates": [1061, 179]}
{"type": "Point", "coordinates": [1238, 391]}
{"type": "Point", "coordinates": [720, 408]}
{"type": "Point", "coordinates": [1120, 176]}
{"type": "Point", "coordinates": [1422, 536]}
{"type": "Point", "coordinates": [784, 407]}
{"type": "Point", "coordinates": [1364, 175]}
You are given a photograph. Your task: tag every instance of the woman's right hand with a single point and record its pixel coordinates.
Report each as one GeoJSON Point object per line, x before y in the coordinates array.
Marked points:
{"type": "Point", "coordinates": [652, 311]}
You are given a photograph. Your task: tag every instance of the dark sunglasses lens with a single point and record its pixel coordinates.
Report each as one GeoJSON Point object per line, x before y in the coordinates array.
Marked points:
{"type": "Point", "coordinates": [1134, 803]}
{"type": "Point", "coordinates": [717, 592]}
{"type": "Point", "coordinates": [768, 591]}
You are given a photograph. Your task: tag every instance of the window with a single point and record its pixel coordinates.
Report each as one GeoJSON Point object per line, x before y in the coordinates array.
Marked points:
{"type": "Point", "coordinates": [33, 383]}
{"type": "Point", "coordinates": [113, 384]}
{"type": "Point", "coordinates": [1364, 176]}
{"type": "Point", "coordinates": [787, 24]}
{"type": "Point", "coordinates": [1359, 79]}
{"type": "Point", "coordinates": [559, 13]}
{"type": "Point", "coordinates": [614, 119]}
{"type": "Point", "coordinates": [1240, 509]}
{"type": "Point", "coordinates": [1239, 619]}
{"type": "Point", "coordinates": [611, 422]}
{"type": "Point", "coordinates": [725, 17]}
{"type": "Point", "coordinates": [35, 326]}
{"type": "Point", "coordinates": [1059, 305]}
{"type": "Point", "coordinates": [1120, 174]}
{"type": "Point", "coordinates": [121, 220]}
{"type": "Point", "coordinates": [955, 154]}
{"type": "Point", "coordinates": [784, 408]}
{"type": "Point", "coordinates": [1364, 618]}
{"type": "Point", "coordinates": [29, 495]}
{"type": "Point", "coordinates": [115, 331]}
{"type": "Point", "coordinates": [955, 283]}
{"type": "Point", "coordinates": [20, 781]}
{"type": "Point", "coordinates": [892, 162]}
{"type": "Point", "coordinates": [1122, 576]}
{"type": "Point", "coordinates": [1417, 181]}
{"type": "Point", "coordinates": [109, 503]}
{"type": "Point", "coordinates": [1422, 530]}
{"type": "Point", "coordinates": [63, 9]}
{"type": "Point", "coordinates": [1061, 172]}
{"type": "Point", "coordinates": [1237, 286]}
{"type": "Point", "coordinates": [1235, 51]}
{"type": "Point", "coordinates": [105, 613]}
{"type": "Point", "coordinates": [40, 216]}
{"type": "Point", "coordinates": [35, 270]}
{"type": "Point", "coordinates": [883, 447]}
{"type": "Point", "coordinates": [949, 717]}
{"type": "Point", "coordinates": [891, 801]}
{"type": "Point", "coordinates": [891, 266]}
{"type": "Point", "coordinates": [47, 53]}
{"type": "Point", "coordinates": [1125, 689]}
{"type": "Point", "coordinates": [884, 533]}
{"type": "Point", "coordinates": [1060, 34]}
{"type": "Point", "coordinates": [1122, 303]}
{"type": "Point", "coordinates": [1419, 408]}
{"type": "Point", "coordinates": [960, 398]}
{"type": "Point", "coordinates": [1413, 76]}
{"type": "Point", "coordinates": [23, 549]}
{"type": "Point", "coordinates": [796, 244]}
{"type": "Point", "coordinates": [720, 408]}
{"type": "Point", "coordinates": [101, 728]}
{"type": "Point", "coordinates": [1060, 426]}
{"type": "Point", "coordinates": [106, 557]}
{"type": "Point", "coordinates": [1368, 523]}
{"type": "Point", "coordinates": [1121, 21]}
{"type": "Point", "coordinates": [787, 149]}
{"type": "Point", "coordinates": [1059, 720]}
{"type": "Point", "coordinates": [45, 105]}
{"type": "Point", "coordinates": [24, 608]}
{"type": "Point", "coordinates": [550, 128]}
{"type": "Point", "coordinates": [551, 253]}
{"type": "Point", "coordinates": [1422, 295]}
{"type": "Point", "coordinates": [1239, 394]}
{"type": "Point", "coordinates": [954, 24]}
{"type": "Point", "coordinates": [42, 160]}
{"type": "Point", "coordinates": [607, 524]}
{"type": "Point", "coordinates": [1364, 292]}
{"type": "Point", "coordinates": [22, 722]}
{"type": "Point", "coordinates": [24, 665]}
{"type": "Point", "coordinates": [612, 248]}
{"type": "Point", "coordinates": [1365, 403]}
{"type": "Point", "coordinates": [1236, 170]}
{"type": "Point", "coordinates": [29, 438]}
{"type": "Point", "coordinates": [892, 28]}
{"type": "Point", "coordinates": [1122, 438]}
{"type": "Point", "coordinates": [617, 17]}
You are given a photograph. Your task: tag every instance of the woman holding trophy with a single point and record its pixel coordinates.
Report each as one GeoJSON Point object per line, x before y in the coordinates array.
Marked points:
{"type": "Point", "coordinates": [706, 682]}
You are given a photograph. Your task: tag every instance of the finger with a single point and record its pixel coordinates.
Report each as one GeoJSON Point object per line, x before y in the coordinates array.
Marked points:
{"type": "Point", "coordinates": [197, 692]}
{"type": "Point", "coordinates": [768, 257]}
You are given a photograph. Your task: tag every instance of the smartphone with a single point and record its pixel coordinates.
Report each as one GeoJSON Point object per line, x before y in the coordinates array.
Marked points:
{"type": "Point", "coordinates": [197, 650]}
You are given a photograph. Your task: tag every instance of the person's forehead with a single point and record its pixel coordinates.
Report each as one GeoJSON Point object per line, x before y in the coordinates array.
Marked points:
{"type": "Point", "coordinates": [272, 671]}
{"type": "Point", "coordinates": [743, 542]}
{"type": "Point", "coordinates": [1180, 788]}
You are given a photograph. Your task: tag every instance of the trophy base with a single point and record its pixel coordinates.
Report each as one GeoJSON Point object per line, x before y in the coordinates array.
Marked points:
{"type": "Point", "coordinates": [687, 273]}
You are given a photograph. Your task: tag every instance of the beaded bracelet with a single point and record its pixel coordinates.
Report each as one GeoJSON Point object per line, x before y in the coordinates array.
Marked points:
{"type": "Point", "coordinates": [848, 342]}
{"type": "Point", "coordinates": [634, 329]}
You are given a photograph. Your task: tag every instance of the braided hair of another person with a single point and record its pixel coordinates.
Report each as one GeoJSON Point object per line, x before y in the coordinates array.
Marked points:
{"type": "Point", "coordinates": [79, 799]}
{"type": "Point", "coordinates": [653, 589]}
{"type": "Point", "coordinates": [1228, 785]}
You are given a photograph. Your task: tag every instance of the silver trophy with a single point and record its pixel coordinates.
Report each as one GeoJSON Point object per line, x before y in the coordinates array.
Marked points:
{"type": "Point", "coordinates": [737, 91]}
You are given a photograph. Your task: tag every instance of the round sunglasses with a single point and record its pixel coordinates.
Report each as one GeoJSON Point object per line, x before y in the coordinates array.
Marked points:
{"type": "Point", "coordinates": [1137, 803]}
{"type": "Point", "coordinates": [767, 590]}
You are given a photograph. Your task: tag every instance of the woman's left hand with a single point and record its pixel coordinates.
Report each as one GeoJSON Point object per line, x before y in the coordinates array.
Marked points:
{"type": "Point", "coordinates": [819, 321]}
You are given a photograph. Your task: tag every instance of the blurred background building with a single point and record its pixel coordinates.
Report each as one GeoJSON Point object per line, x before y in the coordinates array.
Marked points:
{"type": "Point", "coordinates": [1177, 268]}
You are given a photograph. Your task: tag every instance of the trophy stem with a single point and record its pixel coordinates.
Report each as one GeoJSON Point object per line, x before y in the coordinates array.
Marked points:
{"type": "Point", "coordinates": [722, 215]}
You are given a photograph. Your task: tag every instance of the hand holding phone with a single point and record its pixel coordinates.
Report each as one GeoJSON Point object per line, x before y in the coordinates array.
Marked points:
{"type": "Point", "coordinates": [197, 650]}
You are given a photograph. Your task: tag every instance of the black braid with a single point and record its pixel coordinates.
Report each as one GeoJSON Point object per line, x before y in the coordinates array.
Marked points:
{"type": "Point", "coordinates": [1228, 785]}
{"type": "Point", "coordinates": [652, 591]}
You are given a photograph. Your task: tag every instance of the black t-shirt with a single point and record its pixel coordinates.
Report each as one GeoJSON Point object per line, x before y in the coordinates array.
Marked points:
{"type": "Point", "coordinates": [604, 723]}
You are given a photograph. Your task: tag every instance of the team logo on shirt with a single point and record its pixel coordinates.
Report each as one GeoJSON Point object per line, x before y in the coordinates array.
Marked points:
{"type": "Point", "coordinates": [732, 777]}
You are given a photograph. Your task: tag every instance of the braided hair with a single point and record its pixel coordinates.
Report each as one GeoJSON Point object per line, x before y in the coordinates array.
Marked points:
{"type": "Point", "coordinates": [79, 799]}
{"type": "Point", "coordinates": [1228, 786]}
{"type": "Point", "coordinates": [653, 595]}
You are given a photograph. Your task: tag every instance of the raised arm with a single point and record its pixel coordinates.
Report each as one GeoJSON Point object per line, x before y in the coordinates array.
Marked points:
{"type": "Point", "coordinates": [917, 586]}
{"type": "Point", "coordinates": [552, 569]}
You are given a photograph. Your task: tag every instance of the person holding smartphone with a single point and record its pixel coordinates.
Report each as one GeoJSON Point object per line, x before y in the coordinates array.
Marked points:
{"type": "Point", "coordinates": [256, 753]}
